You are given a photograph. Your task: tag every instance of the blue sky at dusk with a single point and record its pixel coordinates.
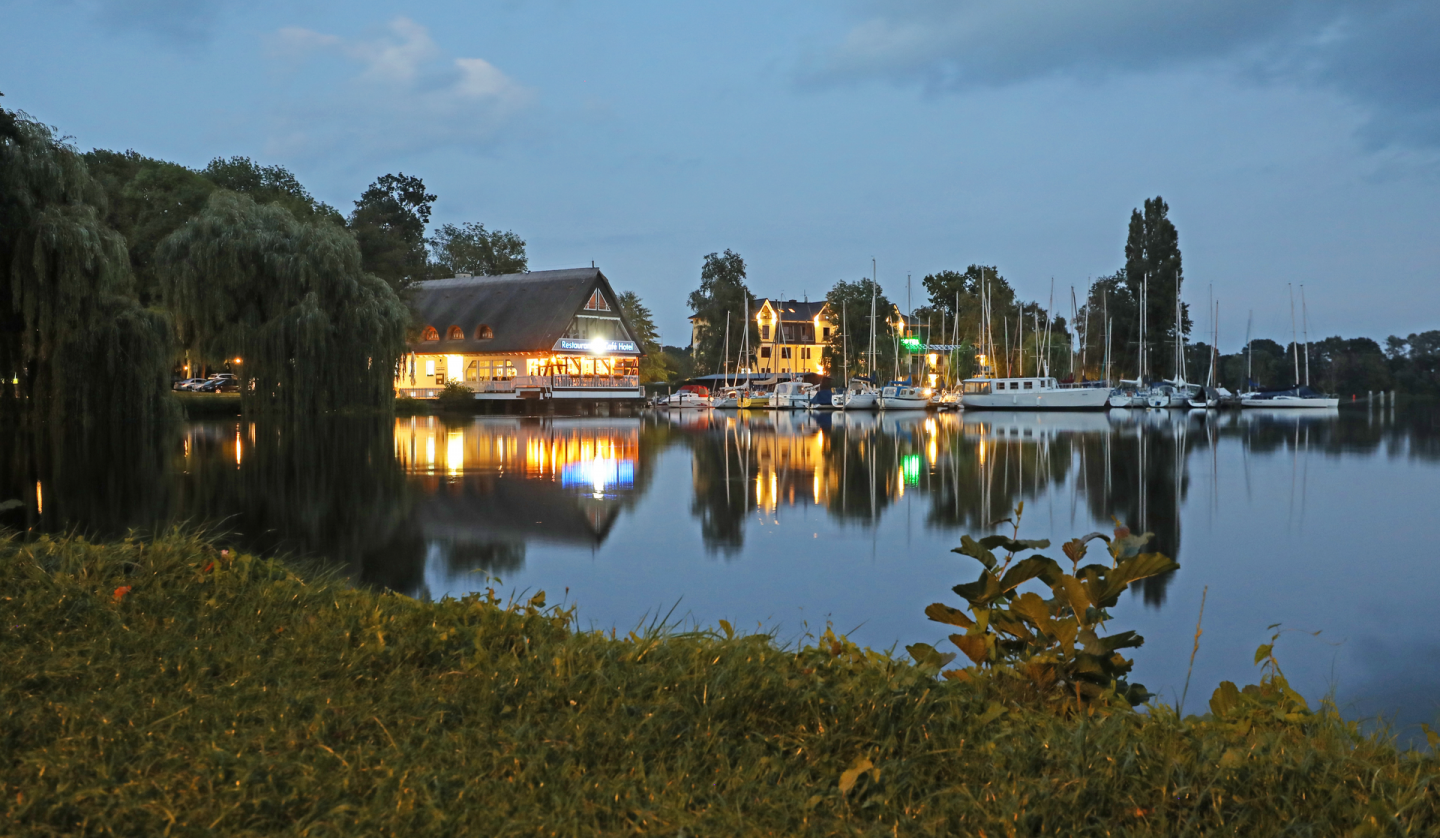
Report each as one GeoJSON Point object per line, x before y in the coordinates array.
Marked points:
{"type": "Point", "coordinates": [1294, 141]}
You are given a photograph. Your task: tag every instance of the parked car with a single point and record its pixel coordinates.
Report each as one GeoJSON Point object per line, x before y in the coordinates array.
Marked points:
{"type": "Point", "coordinates": [187, 383]}
{"type": "Point", "coordinates": [211, 385]}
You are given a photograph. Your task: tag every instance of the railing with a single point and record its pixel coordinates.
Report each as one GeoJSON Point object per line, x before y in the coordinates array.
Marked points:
{"type": "Point", "coordinates": [562, 382]}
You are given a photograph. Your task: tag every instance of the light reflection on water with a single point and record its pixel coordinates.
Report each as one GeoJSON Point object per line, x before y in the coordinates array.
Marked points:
{"type": "Point", "coordinates": [1320, 522]}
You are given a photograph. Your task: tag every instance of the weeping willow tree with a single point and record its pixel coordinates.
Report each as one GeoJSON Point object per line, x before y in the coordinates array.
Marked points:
{"type": "Point", "coordinates": [312, 331]}
{"type": "Point", "coordinates": [75, 344]}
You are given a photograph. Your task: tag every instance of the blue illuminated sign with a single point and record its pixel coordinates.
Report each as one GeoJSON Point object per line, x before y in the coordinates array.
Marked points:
{"type": "Point", "coordinates": [597, 346]}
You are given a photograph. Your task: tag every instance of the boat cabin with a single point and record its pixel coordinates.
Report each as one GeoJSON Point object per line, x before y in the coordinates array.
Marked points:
{"type": "Point", "coordinates": [987, 386]}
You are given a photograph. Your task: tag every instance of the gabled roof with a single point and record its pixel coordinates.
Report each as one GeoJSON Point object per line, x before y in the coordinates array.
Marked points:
{"type": "Point", "coordinates": [794, 310]}
{"type": "Point", "coordinates": [528, 312]}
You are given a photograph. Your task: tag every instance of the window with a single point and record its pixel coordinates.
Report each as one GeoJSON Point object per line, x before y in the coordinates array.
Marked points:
{"type": "Point", "coordinates": [784, 352]}
{"type": "Point", "coordinates": [472, 371]}
{"type": "Point", "coordinates": [1029, 385]}
{"type": "Point", "coordinates": [765, 332]}
{"type": "Point", "coordinates": [827, 332]}
{"type": "Point", "coordinates": [455, 333]}
{"type": "Point", "coordinates": [430, 334]}
{"type": "Point", "coordinates": [764, 352]}
{"type": "Point", "coordinates": [430, 366]}
{"type": "Point", "coordinates": [597, 302]}
{"type": "Point", "coordinates": [805, 353]}
{"type": "Point", "coordinates": [483, 332]}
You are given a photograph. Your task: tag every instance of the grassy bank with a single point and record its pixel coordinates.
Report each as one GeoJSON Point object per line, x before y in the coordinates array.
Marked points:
{"type": "Point", "coordinates": [169, 686]}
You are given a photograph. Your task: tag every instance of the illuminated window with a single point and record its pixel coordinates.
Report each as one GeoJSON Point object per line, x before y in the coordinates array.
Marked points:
{"type": "Point", "coordinates": [597, 302]}
{"type": "Point", "coordinates": [455, 333]}
{"type": "Point", "coordinates": [430, 333]}
{"type": "Point", "coordinates": [827, 332]}
{"type": "Point", "coordinates": [430, 364]}
{"type": "Point", "coordinates": [483, 332]}
{"type": "Point", "coordinates": [472, 371]}
{"type": "Point", "coordinates": [765, 333]}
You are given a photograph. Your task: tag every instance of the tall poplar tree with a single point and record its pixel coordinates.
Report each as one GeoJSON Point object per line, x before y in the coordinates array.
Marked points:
{"type": "Point", "coordinates": [1152, 259]}
{"type": "Point", "coordinates": [75, 344]}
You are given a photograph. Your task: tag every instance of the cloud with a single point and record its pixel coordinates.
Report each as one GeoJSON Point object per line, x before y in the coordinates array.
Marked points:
{"type": "Point", "coordinates": [1379, 54]}
{"type": "Point", "coordinates": [396, 92]}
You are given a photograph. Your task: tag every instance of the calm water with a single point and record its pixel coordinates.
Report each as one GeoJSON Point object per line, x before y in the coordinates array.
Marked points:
{"type": "Point", "coordinates": [1323, 523]}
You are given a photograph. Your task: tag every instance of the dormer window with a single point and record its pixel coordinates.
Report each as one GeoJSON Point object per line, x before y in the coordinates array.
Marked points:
{"type": "Point", "coordinates": [597, 302]}
{"type": "Point", "coordinates": [430, 333]}
{"type": "Point", "coordinates": [483, 332]}
{"type": "Point", "coordinates": [455, 333]}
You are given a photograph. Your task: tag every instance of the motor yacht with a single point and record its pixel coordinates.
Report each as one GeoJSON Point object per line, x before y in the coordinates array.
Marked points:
{"type": "Point", "coordinates": [1042, 393]}
{"type": "Point", "coordinates": [897, 395]}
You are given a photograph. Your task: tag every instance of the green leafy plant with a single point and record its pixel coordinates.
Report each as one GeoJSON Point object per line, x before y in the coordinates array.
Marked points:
{"type": "Point", "coordinates": [1052, 645]}
{"type": "Point", "coordinates": [1271, 699]}
{"type": "Point", "coordinates": [455, 396]}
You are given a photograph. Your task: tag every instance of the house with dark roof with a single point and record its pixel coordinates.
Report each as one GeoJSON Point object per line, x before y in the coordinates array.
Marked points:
{"type": "Point", "coordinates": [793, 336]}
{"type": "Point", "coordinates": [543, 334]}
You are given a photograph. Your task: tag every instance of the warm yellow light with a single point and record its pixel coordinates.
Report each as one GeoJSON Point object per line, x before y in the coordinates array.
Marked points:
{"type": "Point", "coordinates": [39, 499]}
{"type": "Point", "coordinates": [237, 360]}
{"type": "Point", "coordinates": [932, 382]}
{"type": "Point", "coordinates": [982, 359]}
{"type": "Point", "coordinates": [455, 451]}
{"type": "Point", "coordinates": [932, 358]}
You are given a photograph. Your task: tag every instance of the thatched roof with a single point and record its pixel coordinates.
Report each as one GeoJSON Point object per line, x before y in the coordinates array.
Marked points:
{"type": "Point", "coordinates": [527, 312]}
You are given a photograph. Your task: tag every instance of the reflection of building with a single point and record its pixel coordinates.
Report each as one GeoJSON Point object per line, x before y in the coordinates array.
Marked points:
{"type": "Point", "coordinates": [545, 334]}
{"type": "Point", "coordinates": [487, 482]}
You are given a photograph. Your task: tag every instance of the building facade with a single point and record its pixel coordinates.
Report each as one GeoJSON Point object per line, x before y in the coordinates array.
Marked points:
{"type": "Point", "coordinates": [544, 334]}
{"type": "Point", "coordinates": [793, 336]}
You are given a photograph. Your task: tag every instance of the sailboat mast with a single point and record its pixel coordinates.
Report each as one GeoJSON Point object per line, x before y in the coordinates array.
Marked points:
{"type": "Point", "coordinates": [844, 348]}
{"type": "Point", "coordinates": [1249, 354]}
{"type": "Point", "coordinates": [871, 368]}
{"type": "Point", "coordinates": [725, 349]}
{"type": "Point", "coordinates": [1305, 325]}
{"type": "Point", "coordinates": [1144, 312]}
{"type": "Point", "coordinates": [1294, 337]}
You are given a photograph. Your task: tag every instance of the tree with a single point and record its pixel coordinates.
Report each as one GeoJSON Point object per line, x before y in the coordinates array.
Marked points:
{"type": "Point", "coordinates": [722, 290]}
{"type": "Point", "coordinates": [848, 306]}
{"type": "Point", "coordinates": [654, 366]}
{"type": "Point", "coordinates": [147, 200]}
{"type": "Point", "coordinates": [1152, 259]}
{"type": "Point", "coordinates": [470, 248]}
{"type": "Point", "coordinates": [311, 329]}
{"type": "Point", "coordinates": [389, 225]}
{"type": "Point", "coordinates": [73, 336]}
{"type": "Point", "coordinates": [269, 185]}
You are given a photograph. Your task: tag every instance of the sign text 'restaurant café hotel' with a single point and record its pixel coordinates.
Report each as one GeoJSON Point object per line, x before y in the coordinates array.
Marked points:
{"type": "Point", "coordinates": [545, 334]}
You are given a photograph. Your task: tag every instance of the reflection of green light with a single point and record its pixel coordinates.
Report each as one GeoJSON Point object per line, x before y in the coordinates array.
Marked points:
{"type": "Point", "coordinates": [910, 466]}
{"type": "Point", "coordinates": [912, 344]}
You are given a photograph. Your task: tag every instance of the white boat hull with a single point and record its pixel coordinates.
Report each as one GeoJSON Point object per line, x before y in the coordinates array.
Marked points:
{"type": "Point", "coordinates": [1079, 398]}
{"type": "Point", "coordinates": [1293, 403]}
{"type": "Point", "coordinates": [903, 403]}
{"type": "Point", "coordinates": [862, 401]}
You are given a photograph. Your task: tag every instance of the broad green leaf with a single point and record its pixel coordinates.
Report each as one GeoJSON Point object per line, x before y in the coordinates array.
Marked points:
{"type": "Point", "coordinates": [1134, 569]}
{"type": "Point", "coordinates": [1263, 652]}
{"type": "Point", "coordinates": [981, 591]}
{"type": "Point", "coordinates": [1012, 545]}
{"type": "Point", "coordinates": [1075, 595]}
{"type": "Point", "coordinates": [728, 629]}
{"type": "Point", "coordinates": [1007, 622]}
{"type": "Point", "coordinates": [942, 613]}
{"type": "Point", "coordinates": [1225, 699]}
{"type": "Point", "coordinates": [1035, 567]}
{"type": "Point", "coordinates": [1033, 608]}
{"type": "Point", "coordinates": [973, 645]}
{"type": "Point", "coordinates": [928, 656]}
{"type": "Point", "coordinates": [972, 548]}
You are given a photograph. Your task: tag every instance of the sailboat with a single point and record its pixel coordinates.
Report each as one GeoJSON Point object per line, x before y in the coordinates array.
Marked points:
{"type": "Point", "coordinates": [861, 393]}
{"type": "Point", "coordinates": [1300, 396]}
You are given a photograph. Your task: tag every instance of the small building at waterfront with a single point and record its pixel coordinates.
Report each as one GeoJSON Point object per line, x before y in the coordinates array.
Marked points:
{"type": "Point", "coordinates": [793, 337]}
{"type": "Point", "coordinates": [543, 334]}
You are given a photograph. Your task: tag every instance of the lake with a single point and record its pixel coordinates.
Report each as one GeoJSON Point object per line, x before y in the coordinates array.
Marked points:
{"type": "Point", "coordinates": [788, 522]}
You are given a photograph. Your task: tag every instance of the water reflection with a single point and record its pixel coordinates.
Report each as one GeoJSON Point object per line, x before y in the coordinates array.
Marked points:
{"type": "Point", "coordinates": [769, 516]}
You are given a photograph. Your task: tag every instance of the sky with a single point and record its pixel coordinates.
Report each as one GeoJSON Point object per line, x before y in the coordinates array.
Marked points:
{"type": "Point", "coordinates": [1295, 141]}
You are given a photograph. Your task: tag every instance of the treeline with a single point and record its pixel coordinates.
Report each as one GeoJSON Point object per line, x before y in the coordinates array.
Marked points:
{"type": "Point", "coordinates": [1100, 339]}
{"type": "Point", "coordinates": [117, 270]}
